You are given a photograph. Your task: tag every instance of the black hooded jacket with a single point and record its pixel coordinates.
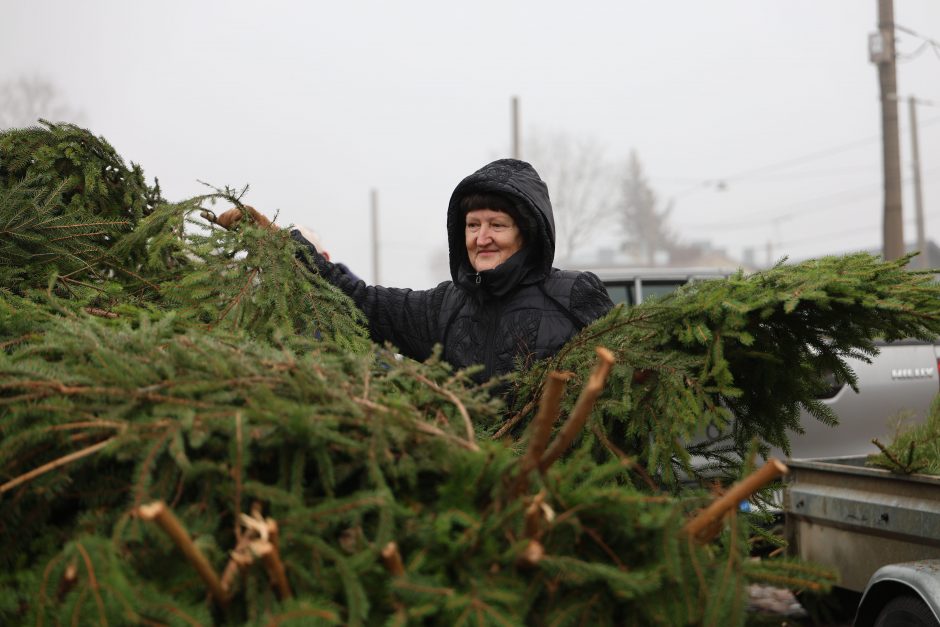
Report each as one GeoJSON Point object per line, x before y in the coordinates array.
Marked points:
{"type": "Point", "coordinates": [523, 308]}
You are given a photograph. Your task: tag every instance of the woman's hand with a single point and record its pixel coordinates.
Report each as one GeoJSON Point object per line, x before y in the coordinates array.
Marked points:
{"type": "Point", "coordinates": [230, 219]}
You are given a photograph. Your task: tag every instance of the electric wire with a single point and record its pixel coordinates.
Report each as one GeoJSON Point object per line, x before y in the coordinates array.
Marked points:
{"type": "Point", "coordinates": [789, 163]}
{"type": "Point", "coordinates": [910, 222]}
{"type": "Point", "coordinates": [933, 43]}
{"type": "Point", "coordinates": [779, 214]}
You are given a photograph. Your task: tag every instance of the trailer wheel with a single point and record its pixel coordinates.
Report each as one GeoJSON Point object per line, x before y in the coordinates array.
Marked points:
{"type": "Point", "coordinates": [906, 611]}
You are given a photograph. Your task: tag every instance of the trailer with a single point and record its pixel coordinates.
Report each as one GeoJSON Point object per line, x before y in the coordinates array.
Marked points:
{"type": "Point", "coordinates": [878, 530]}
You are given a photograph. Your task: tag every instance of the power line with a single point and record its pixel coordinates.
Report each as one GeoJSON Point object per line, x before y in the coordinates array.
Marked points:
{"type": "Point", "coordinates": [829, 234]}
{"type": "Point", "coordinates": [910, 56]}
{"type": "Point", "coordinates": [817, 173]}
{"type": "Point", "coordinates": [782, 164]}
{"type": "Point", "coordinates": [797, 208]}
{"type": "Point", "coordinates": [721, 182]}
{"type": "Point", "coordinates": [927, 41]}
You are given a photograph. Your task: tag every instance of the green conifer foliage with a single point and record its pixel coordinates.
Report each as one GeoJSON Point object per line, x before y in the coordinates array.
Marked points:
{"type": "Point", "coordinates": [168, 370]}
{"type": "Point", "coordinates": [914, 448]}
{"type": "Point", "coordinates": [75, 173]}
{"type": "Point", "coordinates": [744, 354]}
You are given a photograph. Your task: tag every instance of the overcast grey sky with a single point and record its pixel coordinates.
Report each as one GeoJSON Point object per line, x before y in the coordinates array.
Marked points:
{"type": "Point", "coordinates": [313, 104]}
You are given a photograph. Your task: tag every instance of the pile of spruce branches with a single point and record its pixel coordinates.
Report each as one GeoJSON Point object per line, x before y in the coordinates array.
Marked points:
{"type": "Point", "coordinates": [194, 428]}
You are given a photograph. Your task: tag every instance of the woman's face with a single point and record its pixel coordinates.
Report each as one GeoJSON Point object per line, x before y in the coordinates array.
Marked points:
{"type": "Point", "coordinates": [492, 238]}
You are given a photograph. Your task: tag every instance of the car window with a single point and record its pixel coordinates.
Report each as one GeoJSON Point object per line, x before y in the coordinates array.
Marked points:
{"type": "Point", "coordinates": [625, 291]}
{"type": "Point", "coordinates": [621, 293]}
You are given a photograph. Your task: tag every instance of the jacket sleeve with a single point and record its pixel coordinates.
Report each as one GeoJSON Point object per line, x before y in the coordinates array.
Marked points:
{"type": "Point", "coordinates": [408, 319]}
{"type": "Point", "coordinates": [589, 298]}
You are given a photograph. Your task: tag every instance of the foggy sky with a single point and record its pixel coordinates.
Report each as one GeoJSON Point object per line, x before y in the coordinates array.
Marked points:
{"type": "Point", "coordinates": [314, 104]}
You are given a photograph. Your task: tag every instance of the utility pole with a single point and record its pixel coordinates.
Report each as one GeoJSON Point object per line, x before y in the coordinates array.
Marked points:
{"type": "Point", "coordinates": [881, 50]}
{"type": "Point", "coordinates": [375, 237]}
{"type": "Point", "coordinates": [918, 194]}
{"type": "Point", "coordinates": [516, 148]}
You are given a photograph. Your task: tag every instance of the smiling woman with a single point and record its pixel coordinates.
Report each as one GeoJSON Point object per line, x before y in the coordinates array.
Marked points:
{"type": "Point", "coordinates": [492, 236]}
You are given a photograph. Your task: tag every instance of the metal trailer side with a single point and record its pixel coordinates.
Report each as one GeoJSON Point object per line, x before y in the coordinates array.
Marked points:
{"type": "Point", "coordinates": [855, 519]}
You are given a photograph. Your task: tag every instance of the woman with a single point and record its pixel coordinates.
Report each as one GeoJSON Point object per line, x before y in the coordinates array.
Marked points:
{"type": "Point", "coordinates": [505, 301]}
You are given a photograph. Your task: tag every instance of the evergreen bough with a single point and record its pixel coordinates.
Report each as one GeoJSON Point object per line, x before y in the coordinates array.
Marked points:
{"type": "Point", "coordinates": [164, 370]}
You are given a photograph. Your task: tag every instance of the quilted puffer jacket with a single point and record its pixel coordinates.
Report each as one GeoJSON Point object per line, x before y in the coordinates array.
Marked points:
{"type": "Point", "coordinates": [522, 309]}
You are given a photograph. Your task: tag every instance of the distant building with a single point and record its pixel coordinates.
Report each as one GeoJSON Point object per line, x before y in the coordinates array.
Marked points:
{"type": "Point", "coordinates": [697, 255]}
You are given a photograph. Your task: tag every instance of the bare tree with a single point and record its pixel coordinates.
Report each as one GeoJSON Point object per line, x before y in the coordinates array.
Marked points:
{"type": "Point", "coordinates": [581, 186]}
{"type": "Point", "coordinates": [26, 99]}
{"type": "Point", "coordinates": [644, 224]}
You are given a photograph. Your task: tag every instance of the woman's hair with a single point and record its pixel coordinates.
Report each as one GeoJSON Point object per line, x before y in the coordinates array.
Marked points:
{"type": "Point", "coordinates": [495, 202]}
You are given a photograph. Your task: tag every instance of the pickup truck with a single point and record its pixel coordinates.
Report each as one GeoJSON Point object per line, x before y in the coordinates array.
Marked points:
{"type": "Point", "coordinates": [900, 382]}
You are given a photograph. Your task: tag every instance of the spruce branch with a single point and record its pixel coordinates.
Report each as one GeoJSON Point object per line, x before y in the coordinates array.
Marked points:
{"type": "Point", "coordinates": [159, 513]}
{"type": "Point", "coordinates": [391, 558]}
{"type": "Point", "coordinates": [270, 555]}
{"type": "Point", "coordinates": [259, 540]}
{"type": "Point", "coordinates": [101, 313]}
{"type": "Point", "coordinates": [908, 467]}
{"type": "Point", "coordinates": [238, 298]}
{"type": "Point", "coordinates": [145, 467]}
{"type": "Point", "coordinates": [44, 582]}
{"type": "Point", "coordinates": [625, 459]}
{"type": "Point", "coordinates": [515, 419]}
{"type": "Point", "coordinates": [68, 581]}
{"type": "Point", "coordinates": [532, 554]}
{"type": "Point", "coordinates": [56, 463]}
{"type": "Point", "coordinates": [237, 471]}
{"type": "Point", "coordinates": [420, 425]}
{"type": "Point", "coordinates": [92, 581]}
{"type": "Point", "coordinates": [89, 424]}
{"type": "Point", "coordinates": [535, 512]}
{"type": "Point", "coordinates": [26, 337]}
{"type": "Point", "coordinates": [468, 424]}
{"type": "Point", "coordinates": [704, 526]}
{"type": "Point", "coordinates": [240, 558]}
{"type": "Point", "coordinates": [541, 429]}
{"type": "Point", "coordinates": [596, 537]}
{"type": "Point", "coordinates": [582, 409]}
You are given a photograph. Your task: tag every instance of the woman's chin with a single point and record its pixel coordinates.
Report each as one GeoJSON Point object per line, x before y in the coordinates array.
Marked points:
{"type": "Point", "coordinates": [487, 264]}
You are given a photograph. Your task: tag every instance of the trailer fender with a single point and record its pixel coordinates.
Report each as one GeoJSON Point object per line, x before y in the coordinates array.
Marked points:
{"type": "Point", "coordinates": [920, 579]}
